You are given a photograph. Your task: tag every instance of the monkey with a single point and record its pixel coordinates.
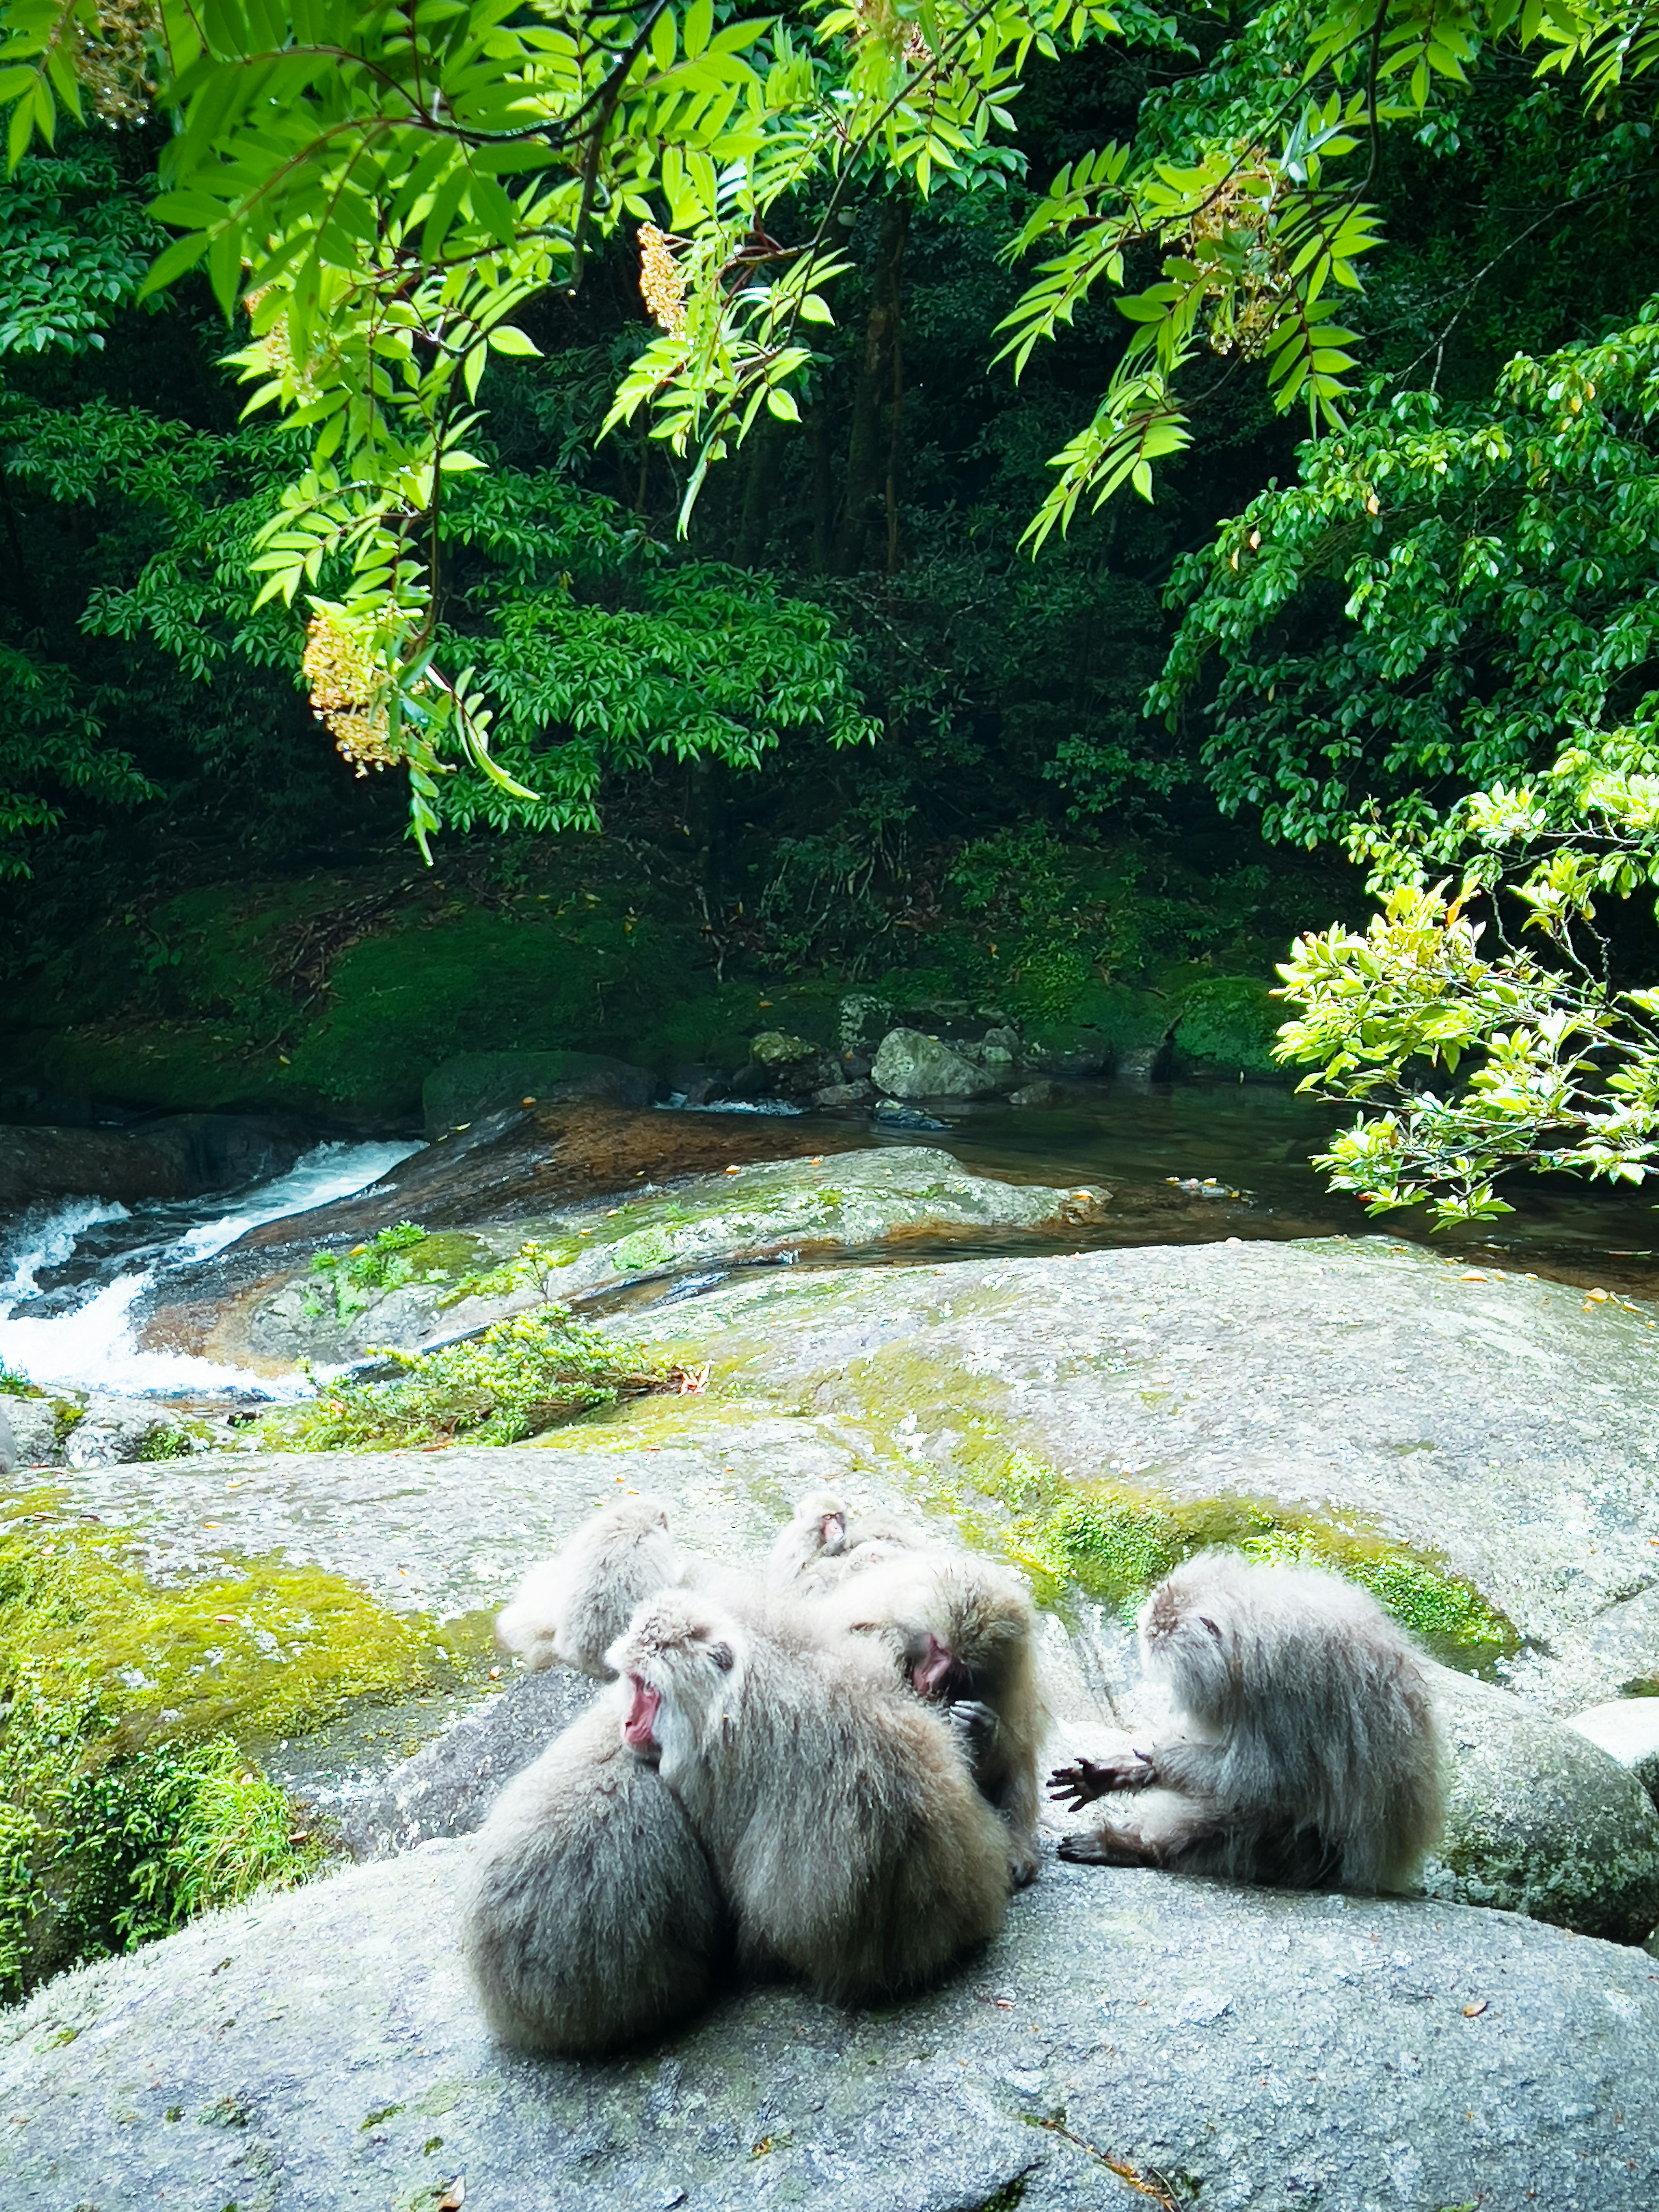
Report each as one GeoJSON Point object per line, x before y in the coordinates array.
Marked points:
{"type": "Point", "coordinates": [1309, 1755]}
{"type": "Point", "coordinates": [590, 1915]}
{"type": "Point", "coordinates": [959, 1632]}
{"type": "Point", "coordinates": [571, 1609]}
{"type": "Point", "coordinates": [839, 1813]}
{"type": "Point", "coordinates": [822, 1544]}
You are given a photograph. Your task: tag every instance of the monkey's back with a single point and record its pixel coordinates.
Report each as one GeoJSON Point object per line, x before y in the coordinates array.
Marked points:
{"type": "Point", "coordinates": [591, 1914]}
{"type": "Point", "coordinates": [852, 1841]}
{"type": "Point", "coordinates": [1320, 1732]}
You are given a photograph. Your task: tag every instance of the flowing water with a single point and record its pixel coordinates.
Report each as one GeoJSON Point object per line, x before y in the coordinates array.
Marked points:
{"type": "Point", "coordinates": [77, 1328]}
{"type": "Point", "coordinates": [70, 1278]}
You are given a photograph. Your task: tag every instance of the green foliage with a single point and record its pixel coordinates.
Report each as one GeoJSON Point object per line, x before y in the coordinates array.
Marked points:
{"type": "Point", "coordinates": [357, 1278]}
{"type": "Point", "coordinates": [14, 1384]}
{"type": "Point", "coordinates": [521, 1376]}
{"type": "Point", "coordinates": [382, 197]}
{"type": "Point", "coordinates": [533, 1267]}
{"type": "Point", "coordinates": [128, 1797]}
{"type": "Point", "coordinates": [73, 248]}
{"type": "Point", "coordinates": [167, 1440]}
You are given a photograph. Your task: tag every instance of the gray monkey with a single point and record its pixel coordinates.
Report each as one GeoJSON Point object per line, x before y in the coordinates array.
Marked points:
{"type": "Point", "coordinates": [959, 1630]}
{"type": "Point", "coordinates": [571, 1609]}
{"type": "Point", "coordinates": [821, 1543]}
{"type": "Point", "coordinates": [1308, 1754]}
{"type": "Point", "coordinates": [590, 1915]}
{"type": "Point", "coordinates": [839, 1813]}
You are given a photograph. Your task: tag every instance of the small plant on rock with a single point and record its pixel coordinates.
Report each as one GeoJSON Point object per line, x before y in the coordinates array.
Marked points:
{"type": "Point", "coordinates": [356, 1278]}
{"type": "Point", "coordinates": [14, 1384]}
{"type": "Point", "coordinates": [521, 1376]}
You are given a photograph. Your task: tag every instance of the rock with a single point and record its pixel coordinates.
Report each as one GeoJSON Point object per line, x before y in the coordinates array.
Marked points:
{"type": "Point", "coordinates": [9, 1460]}
{"type": "Point", "coordinates": [523, 1161]}
{"type": "Point", "coordinates": [694, 1083]}
{"type": "Point", "coordinates": [1250, 2048]}
{"type": "Point", "coordinates": [1541, 1820]}
{"type": "Point", "coordinates": [894, 1114]}
{"type": "Point", "coordinates": [837, 1096]}
{"type": "Point", "coordinates": [862, 1023]}
{"type": "Point", "coordinates": [446, 1789]}
{"type": "Point", "coordinates": [1491, 1424]}
{"type": "Point", "coordinates": [1230, 1023]}
{"type": "Point", "coordinates": [476, 1085]}
{"type": "Point", "coordinates": [1628, 1729]}
{"type": "Point", "coordinates": [846, 1203]}
{"type": "Point", "coordinates": [115, 1432]}
{"type": "Point", "coordinates": [772, 1049]}
{"type": "Point", "coordinates": [1036, 1094]}
{"type": "Point", "coordinates": [911, 1065]}
{"type": "Point", "coordinates": [1137, 1066]}
{"type": "Point", "coordinates": [179, 1155]}
{"type": "Point", "coordinates": [1625, 1642]}
{"type": "Point", "coordinates": [34, 1426]}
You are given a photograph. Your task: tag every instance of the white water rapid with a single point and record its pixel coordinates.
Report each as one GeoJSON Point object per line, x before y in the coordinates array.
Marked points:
{"type": "Point", "coordinates": [95, 1347]}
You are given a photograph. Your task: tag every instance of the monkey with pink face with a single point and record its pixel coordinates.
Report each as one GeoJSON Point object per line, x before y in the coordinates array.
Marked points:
{"type": "Point", "coordinates": [1306, 1752]}
{"type": "Point", "coordinates": [958, 1629]}
{"type": "Point", "coordinates": [838, 1813]}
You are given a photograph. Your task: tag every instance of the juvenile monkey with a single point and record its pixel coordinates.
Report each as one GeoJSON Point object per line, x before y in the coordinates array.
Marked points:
{"type": "Point", "coordinates": [589, 1915]}
{"type": "Point", "coordinates": [959, 1630]}
{"type": "Point", "coordinates": [571, 1609]}
{"type": "Point", "coordinates": [839, 1816]}
{"type": "Point", "coordinates": [1308, 1755]}
{"type": "Point", "coordinates": [822, 1544]}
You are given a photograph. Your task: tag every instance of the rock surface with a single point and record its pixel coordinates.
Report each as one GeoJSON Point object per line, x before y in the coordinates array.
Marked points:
{"type": "Point", "coordinates": [1541, 1820]}
{"type": "Point", "coordinates": [475, 1085]}
{"type": "Point", "coordinates": [1253, 2049]}
{"type": "Point", "coordinates": [181, 1155]}
{"type": "Point", "coordinates": [912, 1065]}
{"type": "Point", "coordinates": [780, 1211]}
{"type": "Point", "coordinates": [1628, 1729]}
{"type": "Point", "coordinates": [1499, 1424]}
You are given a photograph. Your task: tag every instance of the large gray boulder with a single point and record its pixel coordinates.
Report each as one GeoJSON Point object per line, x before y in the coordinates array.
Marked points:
{"type": "Point", "coordinates": [1628, 1729]}
{"type": "Point", "coordinates": [1541, 1820]}
{"type": "Point", "coordinates": [1131, 2037]}
{"type": "Point", "coordinates": [912, 1065]}
{"type": "Point", "coordinates": [784, 1210]}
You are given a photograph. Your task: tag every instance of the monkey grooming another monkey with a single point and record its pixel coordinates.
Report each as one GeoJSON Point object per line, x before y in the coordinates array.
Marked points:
{"type": "Point", "coordinates": [959, 1630]}
{"type": "Point", "coordinates": [839, 1813]}
{"type": "Point", "coordinates": [1309, 1755]}
{"type": "Point", "coordinates": [590, 1915]}
{"type": "Point", "coordinates": [572, 1609]}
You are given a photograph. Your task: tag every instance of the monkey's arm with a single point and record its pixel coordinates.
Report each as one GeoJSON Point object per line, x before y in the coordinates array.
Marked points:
{"type": "Point", "coordinates": [1081, 1784]}
{"type": "Point", "coordinates": [1163, 1830]}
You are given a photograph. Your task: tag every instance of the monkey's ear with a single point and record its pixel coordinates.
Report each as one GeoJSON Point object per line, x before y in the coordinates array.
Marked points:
{"type": "Point", "coordinates": [723, 1656]}
{"type": "Point", "coordinates": [1205, 1621]}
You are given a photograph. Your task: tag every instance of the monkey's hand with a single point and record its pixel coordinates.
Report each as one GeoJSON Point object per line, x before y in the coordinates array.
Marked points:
{"type": "Point", "coordinates": [1080, 1784]}
{"type": "Point", "coordinates": [976, 1726]}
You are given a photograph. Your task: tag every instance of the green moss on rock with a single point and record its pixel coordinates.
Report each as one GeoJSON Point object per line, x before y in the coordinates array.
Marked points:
{"type": "Point", "coordinates": [131, 1793]}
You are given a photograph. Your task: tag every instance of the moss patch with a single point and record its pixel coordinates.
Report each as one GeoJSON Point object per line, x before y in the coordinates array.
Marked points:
{"type": "Point", "coordinates": [130, 1795]}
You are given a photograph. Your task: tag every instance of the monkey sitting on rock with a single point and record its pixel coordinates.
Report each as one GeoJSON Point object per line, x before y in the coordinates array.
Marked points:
{"type": "Point", "coordinates": [590, 1914]}
{"type": "Point", "coordinates": [840, 1814]}
{"type": "Point", "coordinates": [1307, 1755]}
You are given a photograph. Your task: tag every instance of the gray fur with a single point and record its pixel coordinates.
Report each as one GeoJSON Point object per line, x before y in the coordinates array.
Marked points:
{"type": "Point", "coordinates": [823, 1543]}
{"type": "Point", "coordinates": [1309, 1756]}
{"type": "Point", "coordinates": [571, 1610]}
{"type": "Point", "coordinates": [838, 1812]}
{"type": "Point", "coordinates": [980, 1613]}
{"type": "Point", "coordinates": [590, 1915]}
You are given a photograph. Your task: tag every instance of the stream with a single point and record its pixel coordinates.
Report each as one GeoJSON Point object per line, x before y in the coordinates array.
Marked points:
{"type": "Point", "coordinates": [72, 1276]}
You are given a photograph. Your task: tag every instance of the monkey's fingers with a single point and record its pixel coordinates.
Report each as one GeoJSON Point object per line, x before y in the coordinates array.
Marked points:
{"type": "Point", "coordinates": [1078, 1784]}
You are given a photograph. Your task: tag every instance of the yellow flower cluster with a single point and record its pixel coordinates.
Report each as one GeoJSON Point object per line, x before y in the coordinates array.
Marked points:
{"type": "Point", "coordinates": [113, 62]}
{"type": "Point", "coordinates": [346, 688]}
{"type": "Point", "coordinates": [880, 19]}
{"type": "Point", "coordinates": [1248, 321]}
{"type": "Point", "coordinates": [662, 281]}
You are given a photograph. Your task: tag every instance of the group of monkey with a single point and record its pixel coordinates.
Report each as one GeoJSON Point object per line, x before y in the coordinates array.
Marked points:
{"type": "Point", "coordinates": [831, 1770]}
